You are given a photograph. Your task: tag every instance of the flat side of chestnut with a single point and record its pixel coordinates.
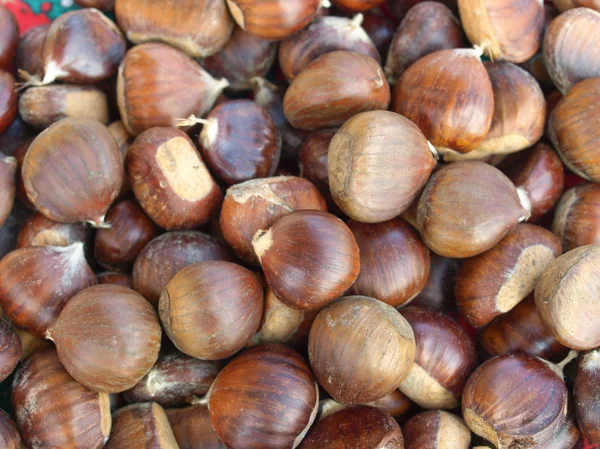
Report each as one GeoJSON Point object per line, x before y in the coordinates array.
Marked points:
{"type": "Point", "coordinates": [436, 430]}
{"type": "Point", "coordinates": [192, 428]}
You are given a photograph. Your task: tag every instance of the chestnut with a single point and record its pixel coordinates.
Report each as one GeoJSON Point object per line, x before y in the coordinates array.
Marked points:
{"type": "Point", "coordinates": [9, 434]}
{"type": "Point", "coordinates": [380, 28]}
{"type": "Point", "coordinates": [109, 277]}
{"type": "Point", "coordinates": [8, 185]}
{"type": "Point", "coordinates": [427, 27]}
{"type": "Point", "coordinates": [566, 437]}
{"type": "Point", "coordinates": [41, 231]}
{"type": "Point", "coordinates": [29, 51]}
{"type": "Point", "coordinates": [394, 262]}
{"type": "Point", "coordinates": [521, 330]}
{"type": "Point", "coordinates": [438, 293]}
{"type": "Point", "coordinates": [117, 247]}
{"type": "Point", "coordinates": [141, 426]}
{"type": "Point", "coordinates": [571, 128]}
{"type": "Point", "coordinates": [444, 359]}
{"type": "Point", "coordinates": [323, 95]}
{"type": "Point", "coordinates": [73, 171]}
{"type": "Point", "coordinates": [169, 253]}
{"type": "Point", "coordinates": [8, 100]}
{"type": "Point", "coordinates": [244, 57]}
{"type": "Point", "coordinates": [395, 403]}
{"type": "Point", "coordinates": [197, 28]}
{"type": "Point", "coordinates": [310, 258]}
{"type": "Point", "coordinates": [466, 208]}
{"type": "Point", "coordinates": [587, 385]}
{"type": "Point", "coordinates": [492, 283]}
{"type": "Point", "coordinates": [563, 5]}
{"type": "Point", "coordinates": [149, 99]}
{"type": "Point", "coordinates": [356, 427]}
{"type": "Point", "coordinates": [515, 401]}
{"type": "Point", "coordinates": [53, 410]}
{"type": "Point", "coordinates": [566, 296]}
{"type": "Point", "coordinates": [357, 5]}
{"type": "Point", "coordinates": [570, 51]}
{"type": "Point", "coordinates": [324, 35]}
{"type": "Point", "coordinates": [170, 181]}
{"type": "Point", "coordinates": [19, 154]}
{"type": "Point", "coordinates": [31, 344]}
{"type": "Point", "coordinates": [9, 37]}
{"type": "Point", "coordinates": [103, 5]}
{"type": "Point", "coordinates": [264, 398]}
{"type": "Point", "coordinates": [257, 204]}
{"type": "Point", "coordinates": [201, 302]}
{"type": "Point", "coordinates": [273, 19]}
{"type": "Point", "coordinates": [192, 428]}
{"type": "Point", "coordinates": [42, 106]}
{"type": "Point", "coordinates": [98, 343]}
{"type": "Point", "coordinates": [538, 173]}
{"type": "Point", "coordinates": [460, 126]}
{"type": "Point", "coordinates": [174, 380]}
{"type": "Point", "coordinates": [360, 349]}
{"type": "Point", "coordinates": [10, 351]}
{"type": "Point", "coordinates": [577, 217]}
{"type": "Point", "coordinates": [436, 430]}
{"type": "Point", "coordinates": [36, 283]}
{"type": "Point", "coordinates": [313, 159]}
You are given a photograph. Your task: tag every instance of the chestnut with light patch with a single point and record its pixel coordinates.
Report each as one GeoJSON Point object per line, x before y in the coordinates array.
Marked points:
{"type": "Point", "coordinates": [436, 430]}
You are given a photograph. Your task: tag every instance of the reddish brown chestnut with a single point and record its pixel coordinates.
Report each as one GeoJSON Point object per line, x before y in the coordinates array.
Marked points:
{"type": "Point", "coordinates": [312, 159]}
{"type": "Point", "coordinates": [9, 37]}
{"type": "Point", "coordinates": [254, 205]}
{"type": "Point", "coordinates": [19, 153]}
{"type": "Point", "coordinates": [381, 28]}
{"type": "Point", "coordinates": [97, 342]}
{"type": "Point", "coordinates": [8, 100]}
{"type": "Point", "coordinates": [29, 52]}
{"type": "Point", "coordinates": [9, 434]}
{"type": "Point", "coordinates": [10, 351]}
{"type": "Point", "coordinates": [260, 380]}
{"type": "Point", "coordinates": [31, 344]}
{"type": "Point", "coordinates": [73, 171]}
{"type": "Point", "coordinates": [8, 185]}
{"type": "Point", "coordinates": [170, 181]}
{"type": "Point", "coordinates": [360, 349]}
{"type": "Point", "coordinates": [41, 231]}
{"type": "Point", "coordinates": [200, 303]}
{"type": "Point", "coordinates": [310, 258]}
{"type": "Point", "coordinates": [395, 403]}
{"type": "Point", "coordinates": [436, 430]}
{"type": "Point", "coordinates": [108, 277]}
{"type": "Point", "coordinates": [577, 217]}
{"type": "Point", "coordinates": [438, 293]}
{"type": "Point", "coordinates": [192, 428]}
{"type": "Point", "coordinates": [103, 5]}
{"type": "Point", "coordinates": [563, 5]}
{"type": "Point", "coordinates": [357, 5]}
{"type": "Point", "coordinates": [587, 385]}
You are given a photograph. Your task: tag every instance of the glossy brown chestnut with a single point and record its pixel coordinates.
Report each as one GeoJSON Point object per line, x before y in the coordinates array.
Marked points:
{"type": "Point", "coordinates": [360, 349]}
{"type": "Point", "coordinates": [356, 427]}
{"type": "Point", "coordinates": [108, 277]}
{"type": "Point", "coordinates": [570, 51]}
{"type": "Point", "coordinates": [273, 19]}
{"type": "Point", "coordinates": [141, 426]}
{"type": "Point", "coordinates": [254, 205]}
{"type": "Point", "coordinates": [36, 283]}
{"type": "Point", "coordinates": [394, 262]}
{"type": "Point", "coordinates": [148, 99]}
{"type": "Point", "coordinates": [572, 129]}
{"type": "Point", "coordinates": [29, 51]}
{"type": "Point", "coordinates": [10, 351]}
{"type": "Point", "coordinates": [8, 185]}
{"type": "Point", "coordinates": [466, 208]}
{"type": "Point", "coordinates": [447, 123]}
{"type": "Point", "coordinates": [54, 411]}
{"type": "Point", "coordinates": [492, 283]}
{"type": "Point", "coordinates": [310, 258]}
{"type": "Point", "coordinates": [103, 5]}
{"type": "Point", "coordinates": [537, 173]}
{"type": "Point", "coordinates": [42, 106]}
{"type": "Point", "coordinates": [117, 247]}
{"type": "Point", "coordinates": [19, 153]}
{"type": "Point", "coordinates": [436, 430]}
{"type": "Point", "coordinates": [41, 231]}
{"type": "Point", "coordinates": [244, 57]}
{"type": "Point", "coordinates": [8, 100]}
{"type": "Point", "coordinates": [9, 37]}
{"type": "Point", "coordinates": [9, 434]}
{"type": "Point", "coordinates": [427, 27]}
{"type": "Point", "coordinates": [444, 359]}
{"type": "Point", "coordinates": [521, 330]}
{"type": "Point", "coordinates": [323, 95]}
{"type": "Point", "coordinates": [192, 428]}
{"type": "Point", "coordinates": [73, 171]}
{"type": "Point", "coordinates": [174, 380]}
{"type": "Point", "coordinates": [312, 159]}
{"type": "Point", "coordinates": [587, 385]}
{"type": "Point", "coordinates": [97, 342]}
{"type": "Point", "coordinates": [567, 298]}
{"type": "Point", "coordinates": [324, 35]}
{"type": "Point", "coordinates": [198, 28]}
{"type": "Point", "coordinates": [395, 403]}
{"type": "Point", "coordinates": [577, 217]}
{"type": "Point", "coordinates": [201, 302]}
{"type": "Point", "coordinates": [357, 5]}
{"type": "Point", "coordinates": [170, 181]}
{"type": "Point", "coordinates": [261, 380]}
{"type": "Point", "coordinates": [438, 293]}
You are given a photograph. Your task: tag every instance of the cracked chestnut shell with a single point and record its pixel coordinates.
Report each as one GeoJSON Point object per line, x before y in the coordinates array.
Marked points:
{"type": "Point", "coordinates": [577, 217]}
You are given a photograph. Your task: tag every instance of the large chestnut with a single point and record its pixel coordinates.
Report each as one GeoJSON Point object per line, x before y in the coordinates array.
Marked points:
{"type": "Point", "coordinates": [436, 430]}
{"type": "Point", "coordinates": [73, 171]}
{"type": "Point", "coordinates": [10, 350]}
{"type": "Point", "coordinates": [41, 231]}
{"type": "Point", "coordinates": [8, 100]}
{"type": "Point", "coordinates": [9, 434]}
{"type": "Point", "coordinates": [587, 385]}
{"type": "Point", "coordinates": [577, 217]}
{"type": "Point", "coordinates": [192, 428]}
{"type": "Point", "coordinates": [567, 298]}
{"type": "Point", "coordinates": [8, 185]}
{"type": "Point", "coordinates": [29, 51]}
{"type": "Point", "coordinates": [323, 95]}
{"type": "Point", "coordinates": [202, 301]}
{"type": "Point", "coordinates": [9, 37]}
{"type": "Point", "coordinates": [107, 337]}
{"type": "Point", "coordinates": [54, 411]}
{"type": "Point", "coordinates": [310, 258]}
{"type": "Point", "coordinates": [426, 93]}
{"type": "Point", "coordinates": [466, 208]}
{"type": "Point", "coordinates": [360, 349]}
{"type": "Point", "coordinates": [170, 181]}
{"type": "Point", "coordinates": [265, 398]}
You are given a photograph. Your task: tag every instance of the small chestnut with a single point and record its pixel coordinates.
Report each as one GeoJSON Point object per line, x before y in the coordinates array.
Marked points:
{"type": "Point", "coordinates": [8, 100]}
{"type": "Point", "coordinates": [41, 231]}
{"type": "Point", "coordinates": [9, 434]}
{"type": "Point", "coordinates": [8, 185]}
{"type": "Point", "coordinates": [109, 277]}
{"type": "Point", "coordinates": [10, 351]}
{"type": "Point", "coordinates": [436, 430]}
{"type": "Point", "coordinates": [9, 37]}
{"type": "Point", "coordinates": [587, 386]}
{"type": "Point", "coordinates": [29, 51]}
{"type": "Point", "coordinates": [577, 216]}
{"type": "Point", "coordinates": [192, 428]}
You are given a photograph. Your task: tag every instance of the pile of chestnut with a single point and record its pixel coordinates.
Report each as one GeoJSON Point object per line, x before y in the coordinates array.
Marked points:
{"type": "Point", "coordinates": [277, 224]}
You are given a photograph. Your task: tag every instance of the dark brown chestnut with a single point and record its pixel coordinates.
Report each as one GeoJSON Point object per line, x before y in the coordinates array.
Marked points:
{"type": "Point", "coordinates": [436, 430]}
{"type": "Point", "coordinates": [438, 293]}
{"type": "Point", "coordinates": [9, 37]}
{"type": "Point", "coordinates": [563, 5]}
{"type": "Point", "coordinates": [587, 385]}
{"type": "Point", "coordinates": [41, 231]}
{"type": "Point", "coordinates": [310, 258]}
{"type": "Point", "coordinates": [360, 349]}
{"type": "Point", "coordinates": [10, 351]}
{"type": "Point", "coordinates": [265, 398]}
{"type": "Point", "coordinates": [9, 434]}
{"type": "Point", "coordinates": [192, 428]}
{"type": "Point", "coordinates": [8, 100]}
{"type": "Point", "coordinates": [577, 217]}
{"type": "Point", "coordinates": [36, 283]}
{"type": "Point", "coordinates": [98, 343]}
{"type": "Point", "coordinates": [124, 140]}
{"type": "Point", "coordinates": [29, 51]}
{"type": "Point", "coordinates": [395, 403]}
{"type": "Point", "coordinates": [357, 5]}
{"type": "Point", "coordinates": [31, 344]}
{"type": "Point", "coordinates": [8, 185]}
{"type": "Point", "coordinates": [103, 5]}
{"type": "Point", "coordinates": [254, 205]}
{"type": "Point", "coordinates": [19, 153]}
{"type": "Point", "coordinates": [170, 181]}
{"type": "Point", "coordinates": [109, 277]}
{"type": "Point", "coordinates": [73, 171]}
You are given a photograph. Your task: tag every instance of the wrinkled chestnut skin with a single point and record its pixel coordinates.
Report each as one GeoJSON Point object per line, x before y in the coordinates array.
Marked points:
{"type": "Point", "coordinates": [8, 185]}
{"type": "Point", "coordinates": [41, 231]}
{"type": "Point", "coordinates": [8, 100]}
{"type": "Point", "coordinates": [108, 277]}
{"type": "Point", "coordinates": [587, 384]}
{"type": "Point", "coordinates": [577, 217]}
{"type": "Point", "coordinates": [192, 428]}
{"type": "Point", "coordinates": [9, 434]}
{"type": "Point", "coordinates": [436, 430]}
{"type": "Point", "coordinates": [29, 52]}
{"type": "Point", "coordinates": [10, 351]}
{"type": "Point", "coordinates": [9, 37]}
